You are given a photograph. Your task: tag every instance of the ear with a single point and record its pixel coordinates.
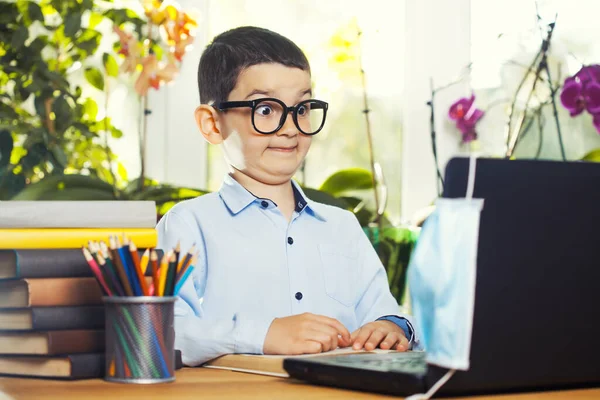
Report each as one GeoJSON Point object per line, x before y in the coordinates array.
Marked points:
{"type": "Point", "coordinates": [207, 119]}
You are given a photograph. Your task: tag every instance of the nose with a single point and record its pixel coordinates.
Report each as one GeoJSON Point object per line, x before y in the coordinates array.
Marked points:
{"type": "Point", "coordinates": [288, 128]}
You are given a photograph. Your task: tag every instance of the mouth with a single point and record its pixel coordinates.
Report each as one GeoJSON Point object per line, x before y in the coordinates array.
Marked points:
{"type": "Point", "coordinates": [287, 149]}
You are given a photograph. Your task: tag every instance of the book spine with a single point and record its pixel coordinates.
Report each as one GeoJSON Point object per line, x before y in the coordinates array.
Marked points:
{"type": "Point", "coordinates": [63, 292]}
{"type": "Point", "coordinates": [51, 263]}
{"type": "Point", "coordinates": [60, 318]}
{"type": "Point", "coordinates": [75, 341]}
{"type": "Point", "coordinates": [85, 366]}
{"type": "Point", "coordinates": [70, 238]}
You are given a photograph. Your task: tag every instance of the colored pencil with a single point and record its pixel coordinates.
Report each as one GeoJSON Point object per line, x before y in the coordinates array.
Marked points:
{"type": "Point", "coordinates": [155, 277]}
{"type": "Point", "coordinates": [112, 277]}
{"type": "Point", "coordinates": [145, 261]}
{"type": "Point", "coordinates": [96, 270]}
{"type": "Point", "coordinates": [170, 285]}
{"type": "Point", "coordinates": [181, 281]}
{"type": "Point", "coordinates": [127, 261]}
{"type": "Point", "coordinates": [135, 257]}
{"type": "Point", "coordinates": [120, 268]}
{"type": "Point", "coordinates": [164, 267]}
{"type": "Point", "coordinates": [185, 261]}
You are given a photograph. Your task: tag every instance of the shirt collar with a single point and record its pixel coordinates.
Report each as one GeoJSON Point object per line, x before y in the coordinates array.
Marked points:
{"type": "Point", "coordinates": [237, 198]}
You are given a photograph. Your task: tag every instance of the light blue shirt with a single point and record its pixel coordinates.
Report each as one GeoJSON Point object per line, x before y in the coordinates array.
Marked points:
{"type": "Point", "coordinates": [255, 266]}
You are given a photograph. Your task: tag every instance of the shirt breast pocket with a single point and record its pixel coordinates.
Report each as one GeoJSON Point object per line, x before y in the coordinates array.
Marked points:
{"type": "Point", "coordinates": [340, 266]}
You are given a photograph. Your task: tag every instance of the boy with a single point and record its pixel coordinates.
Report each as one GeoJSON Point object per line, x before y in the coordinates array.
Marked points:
{"type": "Point", "coordinates": [277, 272]}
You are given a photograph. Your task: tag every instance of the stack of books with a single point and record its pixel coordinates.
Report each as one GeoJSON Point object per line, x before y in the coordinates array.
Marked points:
{"type": "Point", "coordinates": [51, 312]}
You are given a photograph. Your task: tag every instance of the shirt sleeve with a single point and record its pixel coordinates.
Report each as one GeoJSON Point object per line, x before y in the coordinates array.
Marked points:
{"type": "Point", "coordinates": [201, 339]}
{"type": "Point", "coordinates": [377, 301]}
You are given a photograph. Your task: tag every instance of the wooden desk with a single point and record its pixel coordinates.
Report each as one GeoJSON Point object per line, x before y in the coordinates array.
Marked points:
{"type": "Point", "coordinates": [203, 383]}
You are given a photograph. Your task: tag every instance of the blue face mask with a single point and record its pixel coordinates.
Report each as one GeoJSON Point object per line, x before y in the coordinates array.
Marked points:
{"type": "Point", "coordinates": [442, 275]}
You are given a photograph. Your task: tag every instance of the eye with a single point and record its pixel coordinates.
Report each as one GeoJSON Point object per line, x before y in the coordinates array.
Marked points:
{"type": "Point", "coordinates": [264, 110]}
{"type": "Point", "coordinates": [303, 110]}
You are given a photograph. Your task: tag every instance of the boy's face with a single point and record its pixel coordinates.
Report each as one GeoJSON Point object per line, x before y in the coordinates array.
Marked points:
{"type": "Point", "coordinates": [274, 158]}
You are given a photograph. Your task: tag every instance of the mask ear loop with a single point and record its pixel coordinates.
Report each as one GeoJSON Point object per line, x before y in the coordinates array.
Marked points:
{"type": "Point", "coordinates": [471, 178]}
{"type": "Point", "coordinates": [441, 382]}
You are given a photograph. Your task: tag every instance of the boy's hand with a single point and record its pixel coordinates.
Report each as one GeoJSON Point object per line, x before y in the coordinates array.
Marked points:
{"type": "Point", "coordinates": [385, 334]}
{"type": "Point", "coordinates": [305, 334]}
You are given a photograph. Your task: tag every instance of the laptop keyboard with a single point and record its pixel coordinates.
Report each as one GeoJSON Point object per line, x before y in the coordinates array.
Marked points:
{"type": "Point", "coordinates": [412, 362]}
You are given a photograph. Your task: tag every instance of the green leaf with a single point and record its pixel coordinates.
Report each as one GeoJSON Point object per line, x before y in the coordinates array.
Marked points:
{"type": "Point", "coordinates": [116, 133]}
{"type": "Point", "coordinates": [163, 193]}
{"type": "Point", "coordinates": [35, 12]}
{"type": "Point", "coordinates": [19, 37]}
{"type": "Point", "coordinates": [95, 19]}
{"type": "Point", "coordinates": [6, 147]}
{"type": "Point", "coordinates": [121, 171]}
{"type": "Point", "coordinates": [35, 154]}
{"type": "Point", "coordinates": [90, 109]}
{"type": "Point", "coordinates": [94, 77]}
{"type": "Point", "coordinates": [62, 110]}
{"type": "Point", "coordinates": [593, 156]}
{"type": "Point", "coordinates": [78, 194]}
{"type": "Point", "coordinates": [50, 185]}
{"type": "Point", "coordinates": [325, 198]}
{"type": "Point", "coordinates": [10, 184]}
{"type": "Point", "coordinates": [59, 156]}
{"type": "Point", "coordinates": [87, 4]}
{"type": "Point", "coordinates": [347, 180]}
{"type": "Point", "coordinates": [72, 24]}
{"type": "Point", "coordinates": [110, 64]}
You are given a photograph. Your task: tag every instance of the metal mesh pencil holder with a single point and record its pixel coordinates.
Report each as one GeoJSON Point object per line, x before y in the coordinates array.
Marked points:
{"type": "Point", "coordinates": [140, 339]}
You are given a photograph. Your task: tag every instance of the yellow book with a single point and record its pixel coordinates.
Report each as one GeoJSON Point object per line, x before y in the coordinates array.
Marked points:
{"type": "Point", "coordinates": [71, 238]}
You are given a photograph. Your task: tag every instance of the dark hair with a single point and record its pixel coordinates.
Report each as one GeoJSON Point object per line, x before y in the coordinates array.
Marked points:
{"type": "Point", "coordinates": [240, 48]}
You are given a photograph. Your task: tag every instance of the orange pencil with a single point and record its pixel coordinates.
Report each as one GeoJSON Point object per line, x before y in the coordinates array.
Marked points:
{"type": "Point", "coordinates": [185, 261]}
{"type": "Point", "coordinates": [164, 269]}
{"type": "Point", "coordinates": [138, 269]}
{"type": "Point", "coordinates": [155, 277]}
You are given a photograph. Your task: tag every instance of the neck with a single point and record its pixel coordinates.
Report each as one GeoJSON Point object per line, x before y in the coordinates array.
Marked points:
{"type": "Point", "coordinates": [281, 193]}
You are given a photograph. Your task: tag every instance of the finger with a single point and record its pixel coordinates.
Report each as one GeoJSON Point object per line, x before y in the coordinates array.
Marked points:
{"type": "Point", "coordinates": [330, 332]}
{"type": "Point", "coordinates": [362, 336]}
{"type": "Point", "coordinates": [391, 340]}
{"type": "Point", "coordinates": [334, 323]}
{"type": "Point", "coordinates": [310, 347]}
{"type": "Point", "coordinates": [376, 337]}
{"type": "Point", "coordinates": [403, 344]}
{"type": "Point", "coordinates": [321, 337]}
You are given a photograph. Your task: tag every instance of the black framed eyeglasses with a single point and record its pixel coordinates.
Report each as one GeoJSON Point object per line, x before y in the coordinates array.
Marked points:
{"type": "Point", "coordinates": [269, 114]}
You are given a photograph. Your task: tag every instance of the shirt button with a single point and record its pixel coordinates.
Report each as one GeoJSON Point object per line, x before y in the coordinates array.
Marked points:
{"type": "Point", "coordinates": [264, 204]}
{"type": "Point", "coordinates": [291, 241]}
{"type": "Point", "coordinates": [298, 296]}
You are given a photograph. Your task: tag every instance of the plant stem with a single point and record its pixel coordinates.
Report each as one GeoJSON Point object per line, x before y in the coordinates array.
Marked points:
{"type": "Point", "coordinates": [143, 142]}
{"type": "Point", "coordinates": [514, 103]}
{"type": "Point", "coordinates": [541, 131]}
{"type": "Point", "coordinates": [554, 109]}
{"type": "Point", "coordinates": [439, 178]}
{"type": "Point", "coordinates": [106, 136]}
{"type": "Point", "coordinates": [543, 53]}
{"type": "Point", "coordinates": [366, 111]}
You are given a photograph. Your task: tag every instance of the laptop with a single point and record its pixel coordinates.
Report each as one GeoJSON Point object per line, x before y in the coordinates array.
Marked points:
{"type": "Point", "coordinates": [537, 304]}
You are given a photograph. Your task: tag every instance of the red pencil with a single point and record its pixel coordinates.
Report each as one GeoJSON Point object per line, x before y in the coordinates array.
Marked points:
{"type": "Point", "coordinates": [96, 269]}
